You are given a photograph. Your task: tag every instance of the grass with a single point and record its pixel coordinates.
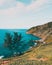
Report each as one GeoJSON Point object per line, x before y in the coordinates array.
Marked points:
{"type": "Point", "coordinates": [29, 58]}
{"type": "Point", "coordinates": [49, 39]}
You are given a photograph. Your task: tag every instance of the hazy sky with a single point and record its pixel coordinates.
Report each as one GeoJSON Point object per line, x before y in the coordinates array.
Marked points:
{"type": "Point", "coordinates": [24, 13]}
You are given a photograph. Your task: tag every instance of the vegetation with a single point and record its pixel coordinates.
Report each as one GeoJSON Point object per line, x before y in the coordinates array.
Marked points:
{"type": "Point", "coordinates": [33, 57]}
{"type": "Point", "coordinates": [42, 31]}
{"type": "Point", "coordinates": [15, 43]}
{"type": "Point", "coordinates": [40, 55]}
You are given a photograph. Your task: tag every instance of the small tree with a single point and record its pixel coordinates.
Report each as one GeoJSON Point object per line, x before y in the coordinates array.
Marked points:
{"type": "Point", "coordinates": [13, 43]}
{"type": "Point", "coordinates": [8, 42]}
{"type": "Point", "coordinates": [17, 42]}
{"type": "Point", "coordinates": [17, 38]}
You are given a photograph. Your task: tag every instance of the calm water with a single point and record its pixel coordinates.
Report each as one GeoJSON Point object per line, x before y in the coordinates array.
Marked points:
{"type": "Point", "coordinates": [26, 38]}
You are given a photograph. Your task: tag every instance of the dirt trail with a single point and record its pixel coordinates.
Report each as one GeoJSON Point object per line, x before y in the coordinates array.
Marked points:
{"type": "Point", "coordinates": [41, 59]}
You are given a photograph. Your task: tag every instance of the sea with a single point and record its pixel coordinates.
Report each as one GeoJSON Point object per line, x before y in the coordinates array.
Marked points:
{"type": "Point", "coordinates": [4, 52]}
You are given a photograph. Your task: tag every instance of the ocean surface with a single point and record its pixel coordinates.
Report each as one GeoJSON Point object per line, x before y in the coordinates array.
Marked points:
{"type": "Point", "coordinates": [26, 37]}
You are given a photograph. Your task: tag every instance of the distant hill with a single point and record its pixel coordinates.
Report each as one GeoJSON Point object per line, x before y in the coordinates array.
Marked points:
{"type": "Point", "coordinates": [43, 31]}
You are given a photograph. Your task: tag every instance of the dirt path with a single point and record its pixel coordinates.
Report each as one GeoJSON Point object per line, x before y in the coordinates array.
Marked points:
{"type": "Point", "coordinates": [41, 59]}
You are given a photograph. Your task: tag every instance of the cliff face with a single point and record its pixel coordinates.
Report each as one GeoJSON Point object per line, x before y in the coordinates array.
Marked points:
{"type": "Point", "coordinates": [42, 31]}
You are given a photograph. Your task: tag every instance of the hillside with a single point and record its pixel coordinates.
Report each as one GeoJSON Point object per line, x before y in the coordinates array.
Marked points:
{"type": "Point", "coordinates": [42, 31]}
{"type": "Point", "coordinates": [41, 55]}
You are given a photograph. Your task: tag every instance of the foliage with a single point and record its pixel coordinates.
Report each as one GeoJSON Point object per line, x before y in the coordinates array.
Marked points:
{"type": "Point", "coordinates": [15, 44]}
{"type": "Point", "coordinates": [8, 41]}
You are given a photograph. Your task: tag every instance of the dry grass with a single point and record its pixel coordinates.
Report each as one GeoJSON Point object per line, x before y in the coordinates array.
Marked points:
{"type": "Point", "coordinates": [41, 55]}
{"type": "Point", "coordinates": [49, 39]}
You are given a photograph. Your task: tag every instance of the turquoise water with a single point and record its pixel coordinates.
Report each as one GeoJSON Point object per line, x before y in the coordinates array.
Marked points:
{"type": "Point", "coordinates": [26, 38]}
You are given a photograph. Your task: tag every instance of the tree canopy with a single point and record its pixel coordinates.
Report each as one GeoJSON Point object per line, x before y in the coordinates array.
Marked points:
{"type": "Point", "coordinates": [15, 44]}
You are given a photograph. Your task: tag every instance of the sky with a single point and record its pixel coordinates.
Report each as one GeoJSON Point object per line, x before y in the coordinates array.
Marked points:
{"type": "Point", "coordinates": [17, 14]}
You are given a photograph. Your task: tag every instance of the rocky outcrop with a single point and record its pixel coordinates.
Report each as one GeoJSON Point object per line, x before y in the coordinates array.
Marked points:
{"type": "Point", "coordinates": [42, 31]}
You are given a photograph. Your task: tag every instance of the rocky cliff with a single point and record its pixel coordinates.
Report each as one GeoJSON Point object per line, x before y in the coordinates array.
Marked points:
{"type": "Point", "coordinates": [43, 31]}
